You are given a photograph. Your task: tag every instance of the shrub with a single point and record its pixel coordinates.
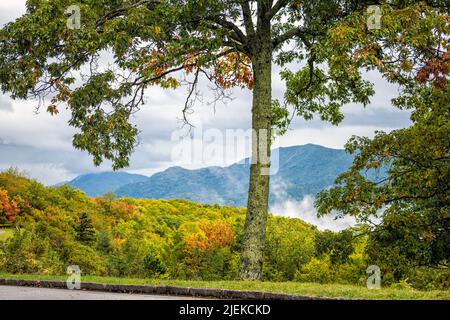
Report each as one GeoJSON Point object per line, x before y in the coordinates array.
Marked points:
{"type": "Point", "coordinates": [85, 257]}
{"type": "Point", "coordinates": [290, 244]}
{"type": "Point", "coordinates": [316, 270]}
{"type": "Point", "coordinates": [153, 265]}
{"type": "Point", "coordinates": [425, 278]}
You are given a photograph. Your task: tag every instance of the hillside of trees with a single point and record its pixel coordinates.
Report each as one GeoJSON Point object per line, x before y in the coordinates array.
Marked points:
{"type": "Point", "coordinates": [176, 239]}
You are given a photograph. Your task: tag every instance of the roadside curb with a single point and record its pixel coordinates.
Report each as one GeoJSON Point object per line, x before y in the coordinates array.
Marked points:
{"type": "Point", "coordinates": [164, 290]}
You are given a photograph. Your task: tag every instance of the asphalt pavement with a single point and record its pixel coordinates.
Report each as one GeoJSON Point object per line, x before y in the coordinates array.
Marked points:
{"type": "Point", "coordinates": [31, 293]}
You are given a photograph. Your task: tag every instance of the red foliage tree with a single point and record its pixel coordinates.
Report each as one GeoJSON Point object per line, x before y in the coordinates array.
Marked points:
{"type": "Point", "coordinates": [8, 208]}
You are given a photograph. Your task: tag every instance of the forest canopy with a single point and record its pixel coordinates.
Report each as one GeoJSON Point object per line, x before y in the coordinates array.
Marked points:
{"type": "Point", "coordinates": [174, 239]}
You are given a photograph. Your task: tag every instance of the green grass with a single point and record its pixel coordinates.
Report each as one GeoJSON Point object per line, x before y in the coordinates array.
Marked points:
{"type": "Point", "coordinates": [308, 289]}
{"type": "Point", "coordinates": [5, 233]}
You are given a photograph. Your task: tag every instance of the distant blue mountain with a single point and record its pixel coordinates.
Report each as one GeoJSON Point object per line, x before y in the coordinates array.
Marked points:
{"type": "Point", "coordinates": [303, 170]}
{"type": "Point", "coordinates": [97, 184]}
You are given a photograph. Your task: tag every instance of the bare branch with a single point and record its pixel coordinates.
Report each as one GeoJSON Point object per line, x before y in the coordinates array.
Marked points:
{"type": "Point", "coordinates": [189, 101]}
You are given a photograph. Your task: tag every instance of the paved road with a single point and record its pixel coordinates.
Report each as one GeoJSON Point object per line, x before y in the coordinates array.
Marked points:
{"type": "Point", "coordinates": [28, 293]}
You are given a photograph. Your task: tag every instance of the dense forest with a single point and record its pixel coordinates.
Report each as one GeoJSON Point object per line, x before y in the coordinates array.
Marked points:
{"type": "Point", "coordinates": [52, 228]}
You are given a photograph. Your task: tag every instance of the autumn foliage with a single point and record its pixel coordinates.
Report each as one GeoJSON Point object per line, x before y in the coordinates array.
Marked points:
{"type": "Point", "coordinates": [174, 239]}
{"type": "Point", "coordinates": [213, 235]}
{"type": "Point", "coordinates": [234, 70]}
{"type": "Point", "coordinates": [8, 208]}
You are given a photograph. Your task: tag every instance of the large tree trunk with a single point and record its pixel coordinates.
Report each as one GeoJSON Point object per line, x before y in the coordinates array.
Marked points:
{"type": "Point", "coordinates": [258, 196]}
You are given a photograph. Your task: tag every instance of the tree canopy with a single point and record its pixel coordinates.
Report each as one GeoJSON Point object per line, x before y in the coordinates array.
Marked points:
{"type": "Point", "coordinates": [410, 199]}
{"type": "Point", "coordinates": [151, 40]}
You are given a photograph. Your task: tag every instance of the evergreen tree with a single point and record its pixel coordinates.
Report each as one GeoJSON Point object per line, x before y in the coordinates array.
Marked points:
{"type": "Point", "coordinates": [85, 229]}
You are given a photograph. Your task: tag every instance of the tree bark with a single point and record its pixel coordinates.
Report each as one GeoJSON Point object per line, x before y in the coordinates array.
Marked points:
{"type": "Point", "coordinates": [254, 239]}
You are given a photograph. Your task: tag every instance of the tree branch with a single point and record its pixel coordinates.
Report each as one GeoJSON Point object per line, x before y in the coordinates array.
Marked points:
{"type": "Point", "coordinates": [239, 35]}
{"type": "Point", "coordinates": [247, 15]}
{"type": "Point", "coordinates": [291, 34]}
{"type": "Point", "coordinates": [189, 103]}
{"type": "Point", "coordinates": [179, 68]}
{"type": "Point", "coordinates": [280, 4]}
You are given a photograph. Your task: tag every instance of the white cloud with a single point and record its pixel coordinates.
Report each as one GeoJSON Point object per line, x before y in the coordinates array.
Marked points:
{"type": "Point", "coordinates": [305, 210]}
{"type": "Point", "coordinates": [52, 173]}
{"type": "Point", "coordinates": [5, 104]}
{"type": "Point", "coordinates": [10, 10]}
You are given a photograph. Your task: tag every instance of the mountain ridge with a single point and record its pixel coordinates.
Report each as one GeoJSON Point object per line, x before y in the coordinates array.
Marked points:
{"type": "Point", "coordinates": [303, 170]}
{"type": "Point", "coordinates": [97, 184]}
